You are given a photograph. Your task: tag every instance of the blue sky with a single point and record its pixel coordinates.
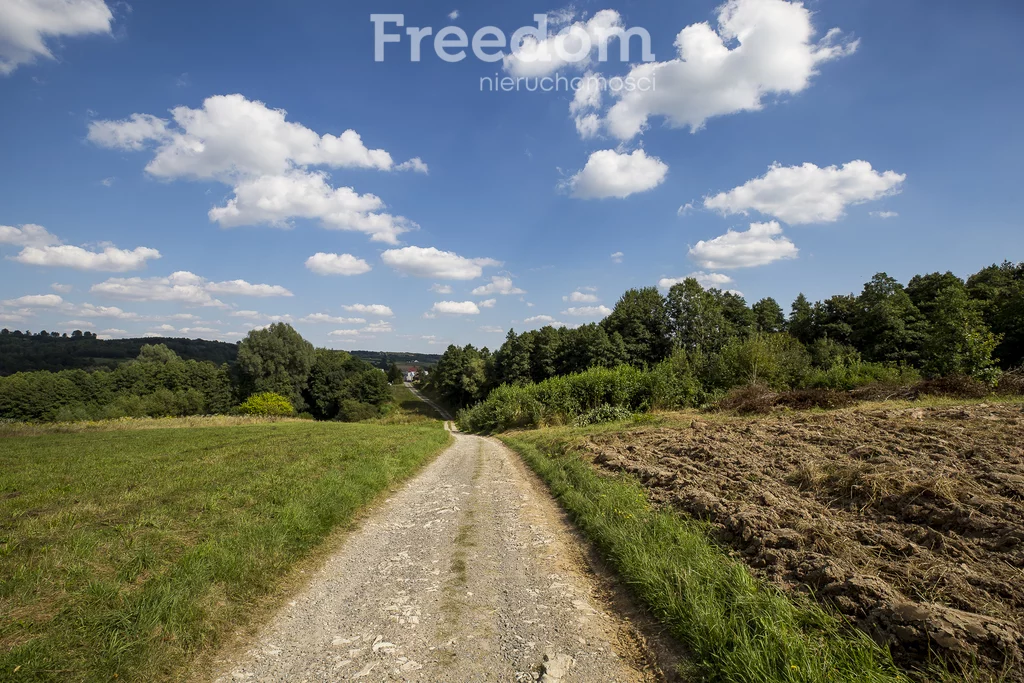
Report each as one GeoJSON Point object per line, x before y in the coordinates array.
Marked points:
{"type": "Point", "coordinates": [809, 159]}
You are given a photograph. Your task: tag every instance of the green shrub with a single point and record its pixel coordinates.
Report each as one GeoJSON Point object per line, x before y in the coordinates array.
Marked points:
{"type": "Point", "coordinates": [775, 360]}
{"type": "Point", "coordinates": [677, 381]}
{"type": "Point", "coordinates": [858, 373]}
{"type": "Point", "coordinates": [266, 403]}
{"type": "Point", "coordinates": [603, 414]}
{"type": "Point", "coordinates": [561, 400]}
{"type": "Point", "coordinates": [350, 410]}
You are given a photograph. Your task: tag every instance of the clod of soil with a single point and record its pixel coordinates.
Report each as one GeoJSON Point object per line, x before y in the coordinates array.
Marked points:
{"type": "Point", "coordinates": [908, 521]}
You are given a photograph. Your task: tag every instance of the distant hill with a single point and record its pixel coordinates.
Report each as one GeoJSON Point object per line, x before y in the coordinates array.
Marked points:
{"type": "Point", "coordinates": [20, 353]}
{"type": "Point", "coordinates": [383, 359]}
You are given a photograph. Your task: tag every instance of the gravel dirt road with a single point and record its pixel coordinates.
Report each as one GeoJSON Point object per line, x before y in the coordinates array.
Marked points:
{"type": "Point", "coordinates": [468, 573]}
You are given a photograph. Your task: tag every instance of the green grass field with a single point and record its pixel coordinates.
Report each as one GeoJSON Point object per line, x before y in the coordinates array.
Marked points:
{"type": "Point", "coordinates": [125, 553]}
{"type": "Point", "coordinates": [410, 408]}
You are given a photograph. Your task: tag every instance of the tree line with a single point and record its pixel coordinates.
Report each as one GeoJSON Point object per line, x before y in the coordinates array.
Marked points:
{"type": "Point", "coordinates": [275, 361]}
{"type": "Point", "coordinates": [385, 359]}
{"type": "Point", "coordinates": [25, 351]}
{"type": "Point", "coordinates": [711, 340]}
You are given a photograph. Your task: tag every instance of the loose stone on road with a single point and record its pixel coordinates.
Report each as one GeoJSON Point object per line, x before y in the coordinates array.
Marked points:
{"type": "Point", "coordinates": [468, 573]}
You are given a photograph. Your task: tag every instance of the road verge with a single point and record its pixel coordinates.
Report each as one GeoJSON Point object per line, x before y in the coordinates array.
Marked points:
{"type": "Point", "coordinates": [735, 627]}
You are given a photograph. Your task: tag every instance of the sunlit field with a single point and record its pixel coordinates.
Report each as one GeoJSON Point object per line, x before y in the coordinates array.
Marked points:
{"type": "Point", "coordinates": [126, 552]}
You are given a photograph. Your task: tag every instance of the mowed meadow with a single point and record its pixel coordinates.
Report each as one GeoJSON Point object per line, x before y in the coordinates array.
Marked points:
{"type": "Point", "coordinates": [127, 552]}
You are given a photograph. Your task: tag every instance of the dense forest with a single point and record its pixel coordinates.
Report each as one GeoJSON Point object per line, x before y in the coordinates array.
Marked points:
{"type": "Point", "coordinates": [385, 359]}
{"type": "Point", "coordinates": [275, 371]}
{"type": "Point", "coordinates": [53, 351]}
{"type": "Point", "coordinates": [704, 342]}
{"type": "Point", "coordinates": [28, 351]}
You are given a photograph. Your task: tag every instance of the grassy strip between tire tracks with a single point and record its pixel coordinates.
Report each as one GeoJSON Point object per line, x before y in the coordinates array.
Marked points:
{"type": "Point", "coordinates": [734, 627]}
{"type": "Point", "coordinates": [126, 553]}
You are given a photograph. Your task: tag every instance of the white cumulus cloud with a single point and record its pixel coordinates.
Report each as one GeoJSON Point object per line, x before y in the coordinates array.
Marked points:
{"type": "Point", "coordinates": [428, 262]}
{"type": "Point", "coordinates": [42, 248]}
{"type": "Point", "coordinates": [762, 244]}
{"type": "Point", "coordinates": [415, 164]}
{"type": "Point", "coordinates": [545, 319]}
{"type": "Point", "coordinates": [182, 287]}
{"type": "Point", "coordinates": [27, 25]}
{"type": "Point", "coordinates": [588, 311]}
{"type": "Point", "coordinates": [609, 173]}
{"type": "Point", "coordinates": [588, 126]}
{"type": "Point", "coordinates": [110, 259]}
{"type": "Point", "coordinates": [262, 317]}
{"type": "Point", "coordinates": [579, 297]}
{"type": "Point", "coordinates": [808, 194]}
{"type": "Point", "coordinates": [366, 332]}
{"type": "Point", "coordinates": [28, 235]}
{"type": "Point", "coordinates": [266, 159]}
{"type": "Point", "coordinates": [198, 330]}
{"type": "Point", "coordinates": [130, 134]}
{"type": "Point", "coordinates": [275, 200]}
{"type": "Point", "coordinates": [233, 136]}
{"type": "Point", "coordinates": [455, 308]}
{"type": "Point", "coordinates": [499, 284]}
{"type": "Point", "coordinates": [94, 311]}
{"type": "Point", "coordinates": [572, 46]}
{"type": "Point", "coordinates": [336, 264]}
{"type": "Point", "coordinates": [761, 48]}
{"type": "Point", "coordinates": [36, 301]}
{"type": "Point", "coordinates": [243, 288]}
{"type": "Point", "coordinates": [378, 310]}
{"type": "Point", "coordinates": [327, 318]}
{"type": "Point", "coordinates": [706, 280]}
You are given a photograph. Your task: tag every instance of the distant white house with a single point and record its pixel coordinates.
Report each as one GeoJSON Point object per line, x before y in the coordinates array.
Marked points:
{"type": "Point", "coordinates": [410, 376]}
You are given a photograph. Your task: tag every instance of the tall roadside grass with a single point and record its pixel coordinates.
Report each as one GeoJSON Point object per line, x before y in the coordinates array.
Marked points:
{"type": "Point", "coordinates": [125, 553]}
{"type": "Point", "coordinates": [562, 400]}
{"type": "Point", "coordinates": [736, 628]}
{"type": "Point", "coordinates": [685, 380]}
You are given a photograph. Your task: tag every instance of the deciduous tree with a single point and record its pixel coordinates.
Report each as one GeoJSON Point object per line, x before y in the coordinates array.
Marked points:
{"type": "Point", "coordinates": [959, 342]}
{"type": "Point", "coordinates": [768, 316]}
{"type": "Point", "coordinates": [641, 320]}
{"type": "Point", "coordinates": [276, 359]}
